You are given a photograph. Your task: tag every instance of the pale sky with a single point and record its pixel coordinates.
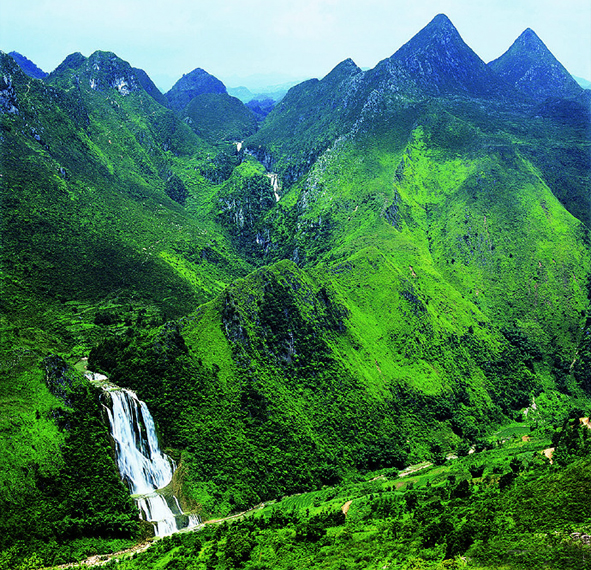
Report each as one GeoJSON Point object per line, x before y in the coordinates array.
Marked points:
{"type": "Point", "coordinates": [299, 38]}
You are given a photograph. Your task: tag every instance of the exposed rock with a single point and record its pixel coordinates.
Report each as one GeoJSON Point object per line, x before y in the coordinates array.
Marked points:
{"type": "Point", "coordinates": [7, 96]}
{"type": "Point", "coordinates": [439, 62]}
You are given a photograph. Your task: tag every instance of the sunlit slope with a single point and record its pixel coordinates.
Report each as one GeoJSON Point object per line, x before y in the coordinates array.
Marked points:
{"type": "Point", "coordinates": [374, 360]}
{"type": "Point", "coordinates": [446, 235]}
{"type": "Point", "coordinates": [445, 202]}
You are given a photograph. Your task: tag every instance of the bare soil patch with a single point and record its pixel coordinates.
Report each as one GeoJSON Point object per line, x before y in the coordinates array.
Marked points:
{"type": "Point", "coordinates": [345, 507]}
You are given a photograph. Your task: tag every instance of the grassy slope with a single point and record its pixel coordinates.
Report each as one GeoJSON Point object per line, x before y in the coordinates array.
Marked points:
{"type": "Point", "coordinates": [434, 298]}
{"type": "Point", "coordinates": [483, 220]}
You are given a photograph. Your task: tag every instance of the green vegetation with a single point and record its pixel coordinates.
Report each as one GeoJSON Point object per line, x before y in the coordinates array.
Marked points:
{"type": "Point", "coordinates": [393, 270]}
{"type": "Point", "coordinates": [507, 507]}
{"type": "Point", "coordinates": [219, 117]}
{"type": "Point", "coordinates": [64, 500]}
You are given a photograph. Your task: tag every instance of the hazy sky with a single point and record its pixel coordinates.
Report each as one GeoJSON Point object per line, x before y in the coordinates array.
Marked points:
{"type": "Point", "coordinates": [301, 38]}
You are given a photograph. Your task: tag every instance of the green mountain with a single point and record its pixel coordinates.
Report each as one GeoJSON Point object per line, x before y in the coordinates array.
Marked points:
{"type": "Point", "coordinates": [530, 66]}
{"type": "Point", "coordinates": [204, 104]}
{"type": "Point", "coordinates": [394, 265]}
{"type": "Point", "coordinates": [417, 288]}
{"type": "Point", "coordinates": [219, 117]}
{"type": "Point", "coordinates": [197, 82]}
{"type": "Point", "coordinates": [28, 66]}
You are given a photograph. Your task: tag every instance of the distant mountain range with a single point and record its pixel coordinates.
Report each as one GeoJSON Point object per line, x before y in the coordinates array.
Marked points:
{"type": "Point", "coordinates": [584, 83]}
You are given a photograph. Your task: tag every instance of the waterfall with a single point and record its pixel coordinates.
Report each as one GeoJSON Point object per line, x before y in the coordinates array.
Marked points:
{"type": "Point", "coordinates": [144, 468]}
{"type": "Point", "coordinates": [274, 178]}
{"type": "Point", "coordinates": [141, 463]}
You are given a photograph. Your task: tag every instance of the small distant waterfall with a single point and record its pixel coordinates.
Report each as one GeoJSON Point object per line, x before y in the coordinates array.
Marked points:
{"type": "Point", "coordinates": [142, 465]}
{"type": "Point", "coordinates": [274, 178]}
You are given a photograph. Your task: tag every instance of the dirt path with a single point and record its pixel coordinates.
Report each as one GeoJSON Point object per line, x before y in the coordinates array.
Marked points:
{"type": "Point", "coordinates": [102, 559]}
{"type": "Point", "coordinates": [345, 507]}
{"type": "Point", "coordinates": [414, 468]}
{"type": "Point", "coordinates": [378, 477]}
{"type": "Point", "coordinates": [237, 515]}
{"type": "Point", "coordinates": [549, 452]}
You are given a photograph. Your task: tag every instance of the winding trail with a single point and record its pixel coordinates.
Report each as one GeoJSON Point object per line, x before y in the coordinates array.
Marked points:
{"type": "Point", "coordinates": [102, 559]}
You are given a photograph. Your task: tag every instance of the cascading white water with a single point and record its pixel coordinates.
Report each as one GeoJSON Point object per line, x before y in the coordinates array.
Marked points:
{"type": "Point", "coordinates": [274, 178]}
{"type": "Point", "coordinates": [143, 466]}
{"type": "Point", "coordinates": [141, 463]}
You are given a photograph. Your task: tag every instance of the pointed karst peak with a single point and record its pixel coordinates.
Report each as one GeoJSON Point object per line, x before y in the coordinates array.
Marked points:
{"type": "Point", "coordinates": [438, 61]}
{"type": "Point", "coordinates": [528, 35]}
{"type": "Point", "coordinates": [527, 45]}
{"type": "Point", "coordinates": [191, 85]}
{"type": "Point", "coordinates": [441, 21]}
{"type": "Point", "coordinates": [345, 69]}
{"type": "Point", "coordinates": [101, 71]}
{"type": "Point", "coordinates": [440, 27]}
{"type": "Point", "coordinates": [439, 31]}
{"type": "Point", "coordinates": [530, 41]}
{"type": "Point", "coordinates": [531, 67]}
{"type": "Point", "coordinates": [348, 65]}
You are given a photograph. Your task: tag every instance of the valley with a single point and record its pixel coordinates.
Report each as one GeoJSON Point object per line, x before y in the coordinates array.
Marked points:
{"type": "Point", "coordinates": [391, 268]}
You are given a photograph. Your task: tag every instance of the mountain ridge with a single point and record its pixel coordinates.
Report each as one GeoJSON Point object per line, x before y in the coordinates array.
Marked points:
{"type": "Point", "coordinates": [29, 67]}
{"type": "Point", "coordinates": [530, 66]}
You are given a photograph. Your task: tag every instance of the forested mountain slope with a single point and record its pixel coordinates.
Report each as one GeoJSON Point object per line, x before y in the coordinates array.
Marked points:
{"type": "Point", "coordinates": [394, 264]}
{"type": "Point", "coordinates": [96, 234]}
